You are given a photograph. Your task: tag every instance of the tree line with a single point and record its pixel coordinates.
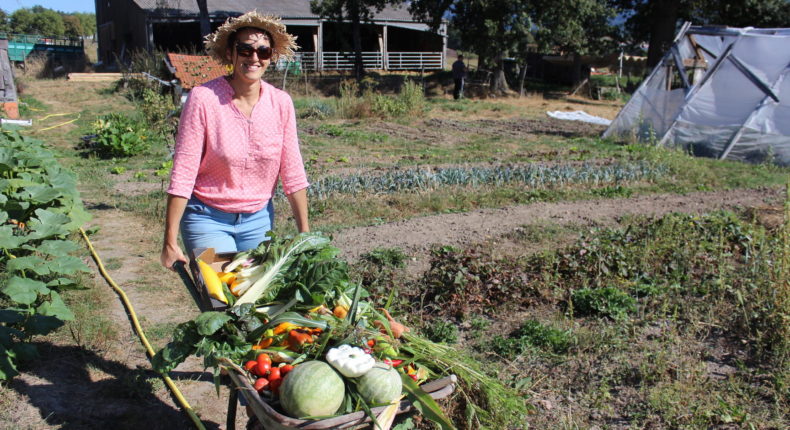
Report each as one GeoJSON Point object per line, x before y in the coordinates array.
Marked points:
{"type": "Point", "coordinates": [496, 29]}
{"type": "Point", "coordinates": [48, 22]}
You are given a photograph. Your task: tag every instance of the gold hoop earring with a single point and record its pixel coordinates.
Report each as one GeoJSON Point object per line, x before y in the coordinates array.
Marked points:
{"type": "Point", "coordinates": [229, 69]}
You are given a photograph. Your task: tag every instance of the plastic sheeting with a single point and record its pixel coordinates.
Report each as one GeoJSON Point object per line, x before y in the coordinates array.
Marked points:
{"type": "Point", "coordinates": [578, 115]}
{"type": "Point", "coordinates": [729, 108]}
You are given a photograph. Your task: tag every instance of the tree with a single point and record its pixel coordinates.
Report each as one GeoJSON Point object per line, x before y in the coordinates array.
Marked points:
{"type": "Point", "coordinates": [4, 25]}
{"type": "Point", "coordinates": [88, 23]}
{"type": "Point", "coordinates": [205, 24]}
{"type": "Point", "coordinates": [37, 20]}
{"type": "Point", "coordinates": [657, 21]}
{"type": "Point", "coordinates": [494, 30]}
{"type": "Point", "coordinates": [579, 27]}
{"type": "Point", "coordinates": [356, 11]}
{"type": "Point", "coordinates": [73, 26]}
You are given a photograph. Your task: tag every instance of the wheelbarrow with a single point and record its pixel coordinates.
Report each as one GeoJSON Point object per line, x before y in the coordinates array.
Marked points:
{"type": "Point", "coordinates": [262, 407]}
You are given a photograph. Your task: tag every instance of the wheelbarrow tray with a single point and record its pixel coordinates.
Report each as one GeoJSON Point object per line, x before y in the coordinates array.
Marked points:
{"type": "Point", "coordinates": [195, 283]}
{"type": "Point", "coordinates": [273, 420]}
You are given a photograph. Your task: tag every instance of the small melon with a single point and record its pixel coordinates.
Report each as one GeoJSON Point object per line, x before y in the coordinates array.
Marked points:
{"type": "Point", "coordinates": [380, 385]}
{"type": "Point", "coordinates": [312, 388]}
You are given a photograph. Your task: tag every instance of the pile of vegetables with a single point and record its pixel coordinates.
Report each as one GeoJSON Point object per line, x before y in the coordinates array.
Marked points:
{"type": "Point", "coordinates": [310, 343]}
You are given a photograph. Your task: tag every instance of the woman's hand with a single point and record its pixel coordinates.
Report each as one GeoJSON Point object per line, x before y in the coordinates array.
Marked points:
{"type": "Point", "coordinates": [170, 255]}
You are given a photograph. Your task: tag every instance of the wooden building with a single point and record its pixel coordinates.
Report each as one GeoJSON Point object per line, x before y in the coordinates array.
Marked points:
{"type": "Point", "coordinates": [392, 41]}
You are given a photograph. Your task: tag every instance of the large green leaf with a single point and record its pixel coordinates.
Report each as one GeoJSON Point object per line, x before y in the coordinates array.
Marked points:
{"type": "Point", "coordinates": [55, 248]}
{"type": "Point", "coordinates": [48, 224]}
{"type": "Point", "coordinates": [7, 364]}
{"type": "Point", "coordinates": [185, 337]}
{"type": "Point", "coordinates": [31, 263]}
{"type": "Point", "coordinates": [7, 238]}
{"type": "Point", "coordinates": [209, 322]}
{"type": "Point", "coordinates": [68, 265]}
{"type": "Point", "coordinates": [56, 308]}
{"type": "Point", "coordinates": [41, 194]}
{"type": "Point", "coordinates": [65, 284]}
{"type": "Point", "coordinates": [24, 291]}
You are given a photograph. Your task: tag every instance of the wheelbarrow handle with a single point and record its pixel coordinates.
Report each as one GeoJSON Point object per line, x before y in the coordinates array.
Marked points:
{"type": "Point", "coordinates": [180, 268]}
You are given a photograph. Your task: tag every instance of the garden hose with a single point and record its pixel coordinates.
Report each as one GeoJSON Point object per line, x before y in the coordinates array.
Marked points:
{"type": "Point", "coordinates": [62, 123]}
{"type": "Point", "coordinates": [128, 305]}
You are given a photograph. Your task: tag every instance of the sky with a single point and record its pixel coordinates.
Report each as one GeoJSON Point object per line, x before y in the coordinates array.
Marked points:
{"type": "Point", "coordinates": [60, 5]}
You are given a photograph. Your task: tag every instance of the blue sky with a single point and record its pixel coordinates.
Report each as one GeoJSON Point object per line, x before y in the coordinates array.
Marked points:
{"type": "Point", "coordinates": [60, 5]}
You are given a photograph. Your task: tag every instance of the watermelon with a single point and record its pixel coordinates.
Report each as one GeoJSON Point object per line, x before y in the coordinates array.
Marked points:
{"type": "Point", "coordinates": [312, 388]}
{"type": "Point", "coordinates": [380, 385]}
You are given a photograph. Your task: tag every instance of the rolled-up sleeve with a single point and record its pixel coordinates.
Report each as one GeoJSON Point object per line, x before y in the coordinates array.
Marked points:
{"type": "Point", "coordinates": [189, 146]}
{"type": "Point", "coordinates": [292, 172]}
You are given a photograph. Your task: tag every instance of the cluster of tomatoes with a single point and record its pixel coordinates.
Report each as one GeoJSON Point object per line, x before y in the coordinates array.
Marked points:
{"type": "Point", "coordinates": [269, 377]}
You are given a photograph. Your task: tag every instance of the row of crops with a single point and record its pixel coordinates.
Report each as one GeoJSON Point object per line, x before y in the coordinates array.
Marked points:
{"type": "Point", "coordinates": [532, 175]}
{"type": "Point", "coordinates": [39, 210]}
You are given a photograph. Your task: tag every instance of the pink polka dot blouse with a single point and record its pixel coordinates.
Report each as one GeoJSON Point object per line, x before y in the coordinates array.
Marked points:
{"type": "Point", "coordinates": [229, 161]}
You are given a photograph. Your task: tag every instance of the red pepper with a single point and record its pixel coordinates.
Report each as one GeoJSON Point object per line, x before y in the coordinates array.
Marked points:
{"type": "Point", "coordinates": [393, 363]}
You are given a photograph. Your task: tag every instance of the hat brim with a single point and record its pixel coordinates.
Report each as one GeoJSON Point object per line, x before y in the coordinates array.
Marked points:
{"type": "Point", "coordinates": [284, 43]}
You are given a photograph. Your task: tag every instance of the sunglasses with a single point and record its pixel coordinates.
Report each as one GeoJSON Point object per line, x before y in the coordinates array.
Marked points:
{"type": "Point", "coordinates": [246, 50]}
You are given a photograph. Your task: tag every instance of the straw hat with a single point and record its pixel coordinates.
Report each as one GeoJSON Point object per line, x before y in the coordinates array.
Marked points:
{"type": "Point", "coordinates": [284, 44]}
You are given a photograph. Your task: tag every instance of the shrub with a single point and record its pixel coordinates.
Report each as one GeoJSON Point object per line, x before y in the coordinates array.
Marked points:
{"type": "Point", "coordinates": [313, 108]}
{"type": "Point", "coordinates": [607, 301]}
{"type": "Point", "coordinates": [441, 331]}
{"type": "Point", "coordinates": [532, 335]}
{"type": "Point", "coordinates": [117, 135]}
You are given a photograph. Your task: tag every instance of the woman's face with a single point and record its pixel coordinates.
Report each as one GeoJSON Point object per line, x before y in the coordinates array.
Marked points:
{"type": "Point", "coordinates": [247, 63]}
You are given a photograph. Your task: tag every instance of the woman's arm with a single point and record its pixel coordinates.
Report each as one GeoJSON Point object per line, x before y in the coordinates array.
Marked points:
{"type": "Point", "coordinates": [171, 252]}
{"type": "Point", "coordinates": [298, 201]}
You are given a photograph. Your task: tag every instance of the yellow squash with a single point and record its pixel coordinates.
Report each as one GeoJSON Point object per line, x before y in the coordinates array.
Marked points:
{"type": "Point", "coordinates": [213, 284]}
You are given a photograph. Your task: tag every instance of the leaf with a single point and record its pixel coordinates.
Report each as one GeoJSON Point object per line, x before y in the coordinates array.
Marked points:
{"type": "Point", "coordinates": [42, 194]}
{"type": "Point", "coordinates": [209, 322]}
{"type": "Point", "coordinates": [55, 248]}
{"type": "Point", "coordinates": [68, 265]}
{"type": "Point", "coordinates": [185, 338]}
{"type": "Point", "coordinates": [7, 365]}
{"type": "Point", "coordinates": [48, 224]}
{"type": "Point", "coordinates": [8, 240]}
{"type": "Point", "coordinates": [425, 403]}
{"type": "Point", "coordinates": [32, 263]}
{"type": "Point", "coordinates": [24, 291]}
{"type": "Point", "coordinates": [25, 351]}
{"type": "Point", "coordinates": [65, 284]}
{"type": "Point", "coordinates": [56, 308]}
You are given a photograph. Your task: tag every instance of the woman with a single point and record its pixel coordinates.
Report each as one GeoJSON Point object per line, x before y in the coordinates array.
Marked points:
{"type": "Point", "coordinates": [236, 138]}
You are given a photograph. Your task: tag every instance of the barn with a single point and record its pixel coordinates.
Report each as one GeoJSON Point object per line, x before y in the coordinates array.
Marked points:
{"type": "Point", "coordinates": [393, 40]}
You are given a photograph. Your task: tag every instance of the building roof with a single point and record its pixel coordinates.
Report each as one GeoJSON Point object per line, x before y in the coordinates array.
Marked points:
{"type": "Point", "coordinates": [194, 70]}
{"type": "Point", "coordinates": [284, 8]}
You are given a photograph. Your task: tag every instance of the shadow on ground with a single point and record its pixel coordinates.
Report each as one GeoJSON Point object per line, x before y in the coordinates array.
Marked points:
{"type": "Point", "coordinates": [74, 388]}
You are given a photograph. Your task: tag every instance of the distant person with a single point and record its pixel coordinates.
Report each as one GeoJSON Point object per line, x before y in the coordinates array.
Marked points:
{"type": "Point", "coordinates": [459, 75]}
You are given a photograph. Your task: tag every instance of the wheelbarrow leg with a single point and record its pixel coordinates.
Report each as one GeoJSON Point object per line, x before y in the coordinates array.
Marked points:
{"type": "Point", "coordinates": [233, 400]}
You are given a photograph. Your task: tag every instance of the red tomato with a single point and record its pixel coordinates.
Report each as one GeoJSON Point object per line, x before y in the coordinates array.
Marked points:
{"type": "Point", "coordinates": [248, 366]}
{"type": "Point", "coordinates": [285, 369]}
{"type": "Point", "coordinates": [274, 373]}
{"type": "Point", "coordinates": [262, 368]}
{"type": "Point", "coordinates": [275, 385]}
{"type": "Point", "coordinates": [260, 384]}
{"type": "Point", "coordinates": [414, 376]}
{"type": "Point", "coordinates": [264, 358]}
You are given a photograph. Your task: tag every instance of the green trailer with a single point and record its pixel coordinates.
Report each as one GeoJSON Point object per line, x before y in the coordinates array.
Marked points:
{"type": "Point", "coordinates": [22, 45]}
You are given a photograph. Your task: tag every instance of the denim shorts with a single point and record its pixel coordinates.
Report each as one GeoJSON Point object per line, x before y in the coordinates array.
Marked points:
{"type": "Point", "coordinates": [205, 227]}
